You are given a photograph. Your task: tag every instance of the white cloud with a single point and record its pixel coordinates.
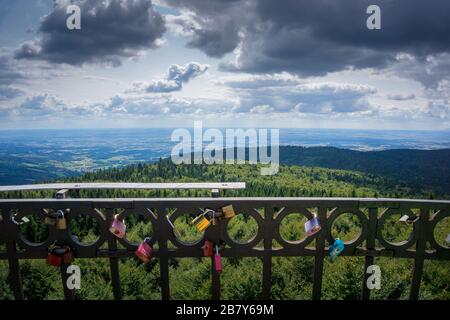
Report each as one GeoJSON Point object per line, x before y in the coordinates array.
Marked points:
{"type": "Point", "coordinates": [176, 76]}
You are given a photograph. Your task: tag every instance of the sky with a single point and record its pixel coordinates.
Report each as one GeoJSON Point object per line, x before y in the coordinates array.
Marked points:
{"type": "Point", "coordinates": [229, 63]}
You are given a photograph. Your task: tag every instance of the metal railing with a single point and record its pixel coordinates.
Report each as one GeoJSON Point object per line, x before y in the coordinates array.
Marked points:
{"type": "Point", "coordinates": [268, 214]}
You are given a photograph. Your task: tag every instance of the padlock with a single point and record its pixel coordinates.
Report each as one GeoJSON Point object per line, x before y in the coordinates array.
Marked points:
{"type": "Point", "coordinates": [312, 226]}
{"type": "Point", "coordinates": [21, 221]}
{"type": "Point", "coordinates": [409, 219]}
{"type": "Point", "coordinates": [201, 221]}
{"type": "Point", "coordinates": [53, 260]}
{"type": "Point", "coordinates": [208, 249]}
{"type": "Point", "coordinates": [176, 233]}
{"type": "Point", "coordinates": [217, 261]}
{"type": "Point", "coordinates": [49, 220]}
{"type": "Point", "coordinates": [118, 228]}
{"type": "Point", "coordinates": [54, 257]}
{"type": "Point", "coordinates": [144, 251]}
{"type": "Point", "coordinates": [228, 211]}
{"type": "Point", "coordinates": [68, 256]}
{"type": "Point", "coordinates": [60, 223]}
{"type": "Point", "coordinates": [336, 249]}
{"type": "Point", "coordinates": [213, 216]}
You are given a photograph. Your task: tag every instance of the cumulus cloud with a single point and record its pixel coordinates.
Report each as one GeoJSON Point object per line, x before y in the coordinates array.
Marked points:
{"type": "Point", "coordinates": [284, 93]}
{"type": "Point", "coordinates": [176, 76]}
{"type": "Point", "coordinates": [110, 31]}
{"type": "Point", "coordinates": [313, 38]}
{"type": "Point", "coordinates": [401, 97]}
{"type": "Point", "coordinates": [9, 76]}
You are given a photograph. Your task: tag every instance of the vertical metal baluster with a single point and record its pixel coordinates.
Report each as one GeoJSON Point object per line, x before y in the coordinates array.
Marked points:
{"type": "Point", "coordinates": [68, 293]}
{"type": "Point", "coordinates": [420, 253]}
{"type": "Point", "coordinates": [163, 252]}
{"type": "Point", "coordinates": [13, 262]}
{"type": "Point", "coordinates": [267, 258]}
{"type": "Point", "coordinates": [370, 246]}
{"type": "Point", "coordinates": [320, 254]}
{"type": "Point", "coordinates": [113, 261]}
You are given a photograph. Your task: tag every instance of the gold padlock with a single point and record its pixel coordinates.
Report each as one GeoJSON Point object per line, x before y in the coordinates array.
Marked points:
{"type": "Point", "coordinates": [60, 223]}
{"type": "Point", "coordinates": [228, 211]}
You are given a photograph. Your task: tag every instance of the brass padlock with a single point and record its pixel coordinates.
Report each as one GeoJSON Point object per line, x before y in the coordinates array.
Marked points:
{"type": "Point", "coordinates": [228, 211]}
{"type": "Point", "coordinates": [50, 219]}
{"type": "Point", "coordinates": [60, 223]}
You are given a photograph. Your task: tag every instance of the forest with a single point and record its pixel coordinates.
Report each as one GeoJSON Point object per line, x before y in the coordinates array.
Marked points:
{"type": "Point", "coordinates": [241, 277]}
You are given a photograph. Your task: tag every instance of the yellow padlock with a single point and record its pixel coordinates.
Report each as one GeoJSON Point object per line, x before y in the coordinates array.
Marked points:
{"type": "Point", "coordinates": [201, 222]}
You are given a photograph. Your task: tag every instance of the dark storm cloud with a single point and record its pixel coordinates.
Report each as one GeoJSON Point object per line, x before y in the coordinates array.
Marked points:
{"type": "Point", "coordinates": [110, 30]}
{"type": "Point", "coordinates": [315, 37]}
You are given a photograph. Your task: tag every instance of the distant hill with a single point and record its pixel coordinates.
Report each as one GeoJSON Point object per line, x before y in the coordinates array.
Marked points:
{"type": "Point", "coordinates": [419, 169]}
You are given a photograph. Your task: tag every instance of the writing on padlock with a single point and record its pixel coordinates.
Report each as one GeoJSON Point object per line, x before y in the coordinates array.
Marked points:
{"type": "Point", "coordinates": [144, 251]}
{"type": "Point", "coordinates": [118, 228]}
{"type": "Point", "coordinates": [208, 249]}
{"type": "Point", "coordinates": [176, 233]}
{"type": "Point", "coordinates": [217, 260]}
{"type": "Point", "coordinates": [228, 211]}
{"type": "Point", "coordinates": [203, 221]}
{"type": "Point", "coordinates": [409, 219]}
{"type": "Point", "coordinates": [60, 223]}
{"type": "Point", "coordinates": [336, 249]}
{"type": "Point", "coordinates": [312, 226]}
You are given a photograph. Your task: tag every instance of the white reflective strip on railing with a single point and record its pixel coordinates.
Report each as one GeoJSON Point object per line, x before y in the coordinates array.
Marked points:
{"type": "Point", "coordinates": [107, 185]}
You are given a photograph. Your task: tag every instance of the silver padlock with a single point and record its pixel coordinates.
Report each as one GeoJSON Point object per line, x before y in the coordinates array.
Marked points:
{"type": "Point", "coordinates": [409, 219]}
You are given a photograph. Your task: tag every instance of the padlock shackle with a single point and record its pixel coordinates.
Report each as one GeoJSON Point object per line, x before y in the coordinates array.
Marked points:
{"type": "Point", "coordinates": [147, 240]}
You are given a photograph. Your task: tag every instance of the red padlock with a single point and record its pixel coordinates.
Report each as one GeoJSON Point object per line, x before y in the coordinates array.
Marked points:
{"type": "Point", "coordinates": [144, 251]}
{"type": "Point", "coordinates": [208, 249]}
{"type": "Point", "coordinates": [54, 260]}
{"type": "Point", "coordinates": [55, 256]}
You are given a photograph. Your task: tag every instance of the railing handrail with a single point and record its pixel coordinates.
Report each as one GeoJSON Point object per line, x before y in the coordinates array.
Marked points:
{"type": "Point", "coordinates": [304, 201]}
{"type": "Point", "coordinates": [124, 185]}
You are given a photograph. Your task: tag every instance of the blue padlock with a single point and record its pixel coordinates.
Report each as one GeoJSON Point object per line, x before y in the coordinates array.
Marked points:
{"type": "Point", "coordinates": [336, 249]}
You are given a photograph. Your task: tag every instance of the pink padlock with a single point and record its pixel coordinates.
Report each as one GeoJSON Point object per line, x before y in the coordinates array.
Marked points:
{"type": "Point", "coordinates": [218, 261]}
{"type": "Point", "coordinates": [144, 251]}
{"type": "Point", "coordinates": [118, 228]}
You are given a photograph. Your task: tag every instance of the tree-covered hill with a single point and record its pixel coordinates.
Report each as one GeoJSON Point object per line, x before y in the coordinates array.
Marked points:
{"type": "Point", "coordinates": [419, 169]}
